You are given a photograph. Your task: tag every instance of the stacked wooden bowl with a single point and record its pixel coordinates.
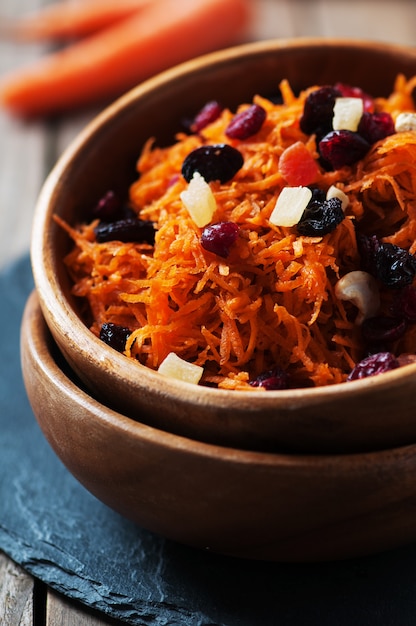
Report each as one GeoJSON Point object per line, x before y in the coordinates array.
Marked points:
{"type": "Point", "coordinates": [295, 475]}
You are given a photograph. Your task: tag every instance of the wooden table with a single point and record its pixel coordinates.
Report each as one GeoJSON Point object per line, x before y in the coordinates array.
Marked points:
{"type": "Point", "coordinates": [28, 151]}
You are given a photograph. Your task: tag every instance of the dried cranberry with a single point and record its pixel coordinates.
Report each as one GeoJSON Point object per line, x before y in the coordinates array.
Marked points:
{"type": "Point", "coordinates": [395, 266]}
{"type": "Point", "coordinates": [318, 111]}
{"type": "Point", "coordinates": [342, 147]}
{"type": "Point", "coordinates": [375, 126]}
{"type": "Point", "coordinates": [383, 329]}
{"type": "Point", "coordinates": [115, 335]}
{"type": "Point", "coordinates": [108, 208]}
{"type": "Point", "coordinates": [246, 123]}
{"type": "Point", "coordinates": [214, 162]}
{"type": "Point", "coordinates": [126, 230]}
{"type": "Point", "coordinates": [272, 380]}
{"type": "Point", "coordinates": [320, 217]}
{"type": "Point", "coordinates": [208, 114]}
{"type": "Point", "coordinates": [374, 364]}
{"type": "Point", "coordinates": [348, 91]}
{"type": "Point", "coordinates": [218, 238]}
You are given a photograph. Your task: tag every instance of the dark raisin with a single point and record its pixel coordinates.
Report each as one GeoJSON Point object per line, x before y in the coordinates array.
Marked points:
{"type": "Point", "coordinates": [383, 329]}
{"type": "Point", "coordinates": [115, 335]}
{"type": "Point", "coordinates": [246, 123]}
{"type": "Point", "coordinates": [126, 230]}
{"type": "Point", "coordinates": [373, 365]}
{"type": "Point", "coordinates": [342, 147]}
{"type": "Point", "coordinates": [318, 111]}
{"type": "Point", "coordinates": [320, 218]}
{"type": "Point", "coordinates": [272, 380]}
{"type": "Point", "coordinates": [375, 126]}
{"type": "Point", "coordinates": [218, 238]}
{"type": "Point", "coordinates": [348, 91]}
{"type": "Point", "coordinates": [208, 114]}
{"type": "Point", "coordinates": [395, 266]}
{"type": "Point", "coordinates": [214, 162]}
{"type": "Point", "coordinates": [318, 195]}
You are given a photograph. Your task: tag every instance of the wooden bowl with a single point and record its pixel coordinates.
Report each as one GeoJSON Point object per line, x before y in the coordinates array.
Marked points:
{"type": "Point", "coordinates": [363, 415]}
{"type": "Point", "coordinates": [247, 504]}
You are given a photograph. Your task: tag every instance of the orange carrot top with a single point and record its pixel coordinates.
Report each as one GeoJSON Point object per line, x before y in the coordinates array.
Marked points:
{"type": "Point", "coordinates": [246, 291]}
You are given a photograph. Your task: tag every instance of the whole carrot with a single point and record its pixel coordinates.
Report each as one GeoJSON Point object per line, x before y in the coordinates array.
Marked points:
{"type": "Point", "coordinates": [163, 33]}
{"type": "Point", "coordinates": [66, 19]}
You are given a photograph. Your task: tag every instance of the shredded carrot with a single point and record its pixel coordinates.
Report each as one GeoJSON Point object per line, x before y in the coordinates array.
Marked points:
{"type": "Point", "coordinates": [271, 302]}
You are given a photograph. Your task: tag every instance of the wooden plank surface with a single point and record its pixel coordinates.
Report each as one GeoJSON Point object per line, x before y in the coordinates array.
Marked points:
{"type": "Point", "coordinates": [23, 148]}
{"type": "Point", "coordinates": [16, 595]}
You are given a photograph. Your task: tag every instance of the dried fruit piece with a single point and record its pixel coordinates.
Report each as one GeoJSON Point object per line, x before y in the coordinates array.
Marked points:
{"type": "Point", "coordinates": [347, 113]}
{"type": "Point", "coordinates": [114, 335]}
{"type": "Point", "coordinates": [373, 365]}
{"type": "Point", "coordinates": [126, 230]}
{"type": "Point", "coordinates": [208, 114]}
{"type": "Point", "coordinates": [342, 147]}
{"type": "Point", "coordinates": [199, 200]}
{"type": "Point", "coordinates": [395, 266]}
{"type": "Point", "coordinates": [272, 380]}
{"type": "Point", "coordinates": [318, 111]}
{"type": "Point", "coordinates": [179, 369]}
{"type": "Point", "coordinates": [290, 206]}
{"type": "Point", "coordinates": [297, 165]}
{"type": "Point", "coordinates": [214, 162]}
{"type": "Point", "coordinates": [375, 126]}
{"type": "Point", "coordinates": [108, 208]}
{"type": "Point", "coordinates": [219, 238]}
{"type": "Point", "coordinates": [246, 123]}
{"type": "Point", "coordinates": [320, 218]}
{"type": "Point", "coordinates": [350, 91]}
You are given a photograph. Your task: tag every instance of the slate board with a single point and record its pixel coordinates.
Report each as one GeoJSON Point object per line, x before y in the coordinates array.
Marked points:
{"type": "Point", "coordinates": [61, 534]}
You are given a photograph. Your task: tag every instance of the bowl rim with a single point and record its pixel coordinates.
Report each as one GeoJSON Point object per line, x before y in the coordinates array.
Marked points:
{"type": "Point", "coordinates": [38, 342]}
{"type": "Point", "coordinates": [306, 502]}
{"type": "Point", "coordinates": [60, 310]}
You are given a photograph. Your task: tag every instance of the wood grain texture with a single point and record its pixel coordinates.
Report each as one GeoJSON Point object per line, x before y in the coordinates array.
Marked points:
{"type": "Point", "coordinates": [23, 149]}
{"type": "Point", "coordinates": [16, 594]}
{"type": "Point", "coordinates": [256, 505]}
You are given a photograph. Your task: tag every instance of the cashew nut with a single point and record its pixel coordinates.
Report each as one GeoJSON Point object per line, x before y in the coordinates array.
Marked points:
{"type": "Point", "coordinates": [361, 289]}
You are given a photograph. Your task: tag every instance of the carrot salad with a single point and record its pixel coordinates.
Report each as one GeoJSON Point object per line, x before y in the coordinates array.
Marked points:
{"type": "Point", "coordinates": [271, 300]}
